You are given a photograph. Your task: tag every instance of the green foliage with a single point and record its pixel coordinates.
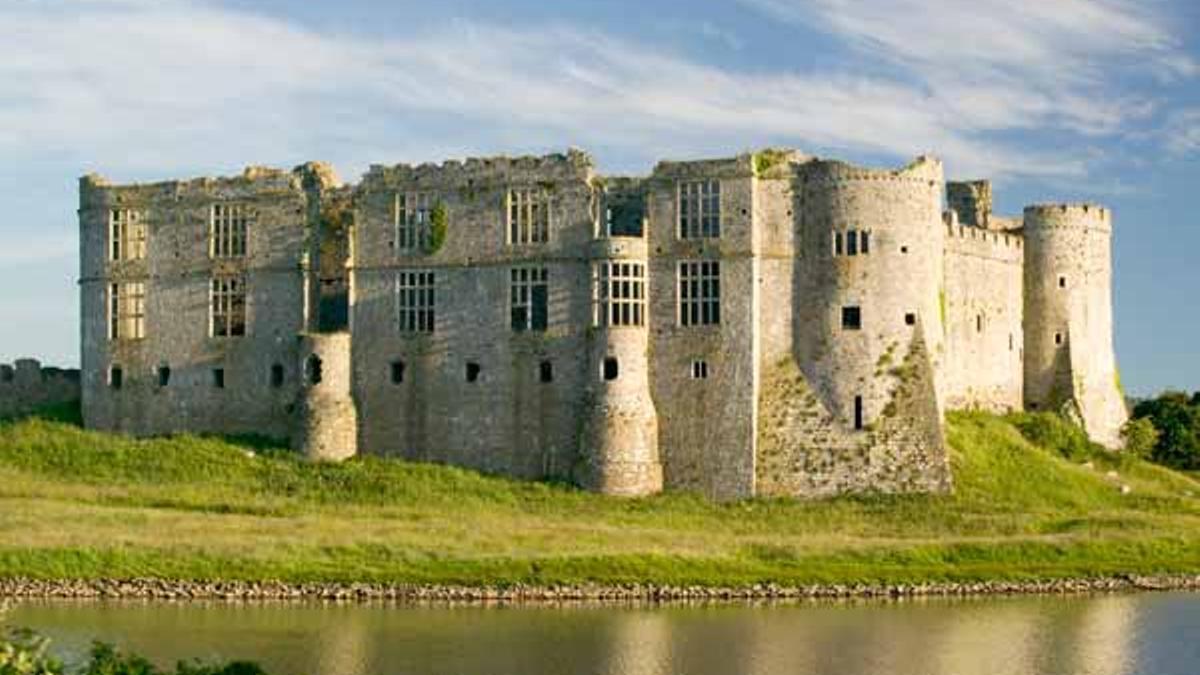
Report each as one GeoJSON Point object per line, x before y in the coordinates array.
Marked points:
{"type": "Point", "coordinates": [439, 225]}
{"type": "Point", "coordinates": [1057, 434]}
{"type": "Point", "coordinates": [1177, 419]}
{"type": "Point", "coordinates": [1140, 437]}
{"type": "Point", "coordinates": [24, 653]}
{"type": "Point", "coordinates": [76, 504]}
{"type": "Point", "coordinates": [765, 160]}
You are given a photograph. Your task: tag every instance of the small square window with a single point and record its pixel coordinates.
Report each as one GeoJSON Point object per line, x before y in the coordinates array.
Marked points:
{"type": "Point", "coordinates": [910, 319]}
{"type": "Point", "coordinates": [546, 372]}
{"type": "Point", "coordinates": [611, 369]}
{"type": "Point", "coordinates": [473, 371]}
{"type": "Point", "coordinates": [164, 376]}
{"type": "Point", "coordinates": [218, 378]}
{"type": "Point", "coordinates": [1062, 282]}
{"type": "Point", "coordinates": [852, 318]}
{"type": "Point", "coordinates": [904, 249]}
{"type": "Point", "coordinates": [397, 372]}
{"type": "Point", "coordinates": [1058, 338]}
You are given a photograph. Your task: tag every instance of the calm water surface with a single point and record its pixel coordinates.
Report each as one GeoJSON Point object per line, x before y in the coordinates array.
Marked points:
{"type": "Point", "coordinates": [1153, 634]}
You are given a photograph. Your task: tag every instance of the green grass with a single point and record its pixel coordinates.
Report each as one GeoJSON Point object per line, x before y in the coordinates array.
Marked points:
{"type": "Point", "coordinates": [80, 504]}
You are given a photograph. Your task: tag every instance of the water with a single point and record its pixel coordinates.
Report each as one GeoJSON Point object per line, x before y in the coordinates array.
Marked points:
{"type": "Point", "coordinates": [1151, 634]}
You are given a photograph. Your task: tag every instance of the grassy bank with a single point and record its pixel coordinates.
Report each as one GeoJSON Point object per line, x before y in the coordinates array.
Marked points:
{"type": "Point", "coordinates": [82, 505]}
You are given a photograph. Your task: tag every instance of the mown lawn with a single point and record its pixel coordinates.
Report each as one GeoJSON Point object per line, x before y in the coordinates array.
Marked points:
{"type": "Point", "coordinates": [79, 504]}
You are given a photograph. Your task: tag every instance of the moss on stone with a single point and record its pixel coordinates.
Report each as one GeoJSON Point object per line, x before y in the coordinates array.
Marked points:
{"type": "Point", "coordinates": [439, 225]}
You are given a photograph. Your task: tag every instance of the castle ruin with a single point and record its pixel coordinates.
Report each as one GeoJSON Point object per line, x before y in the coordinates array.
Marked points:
{"type": "Point", "coordinates": [768, 324]}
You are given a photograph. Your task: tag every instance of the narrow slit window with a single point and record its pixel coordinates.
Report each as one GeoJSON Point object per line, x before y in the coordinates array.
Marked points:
{"type": "Point", "coordinates": [699, 370]}
{"type": "Point", "coordinates": [314, 370]}
{"type": "Point", "coordinates": [397, 372]}
{"type": "Point", "coordinates": [837, 243]}
{"type": "Point", "coordinates": [218, 378]}
{"type": "Point", "coordinates": [116, 377]}
{"type": "Point", "coordinates": [852, 243]}
{"type": "Point", "coordinates": [700, 209]}
{"type": "Point", "coordinates": [1062, 282]}
{"type": "Point", "coordinates": [864, 242]}
{"type": "Point", "coordinates": [164, 376]}
{"type": "Point", "coordinates": [277, 375]}
{"type": "Point", "coordinates": [858, 413]}
{"type": "Point", "coordinates": [473, 371]}
{"type": "Point", "coordinates": [546, 372]}
{"type": "Point", "coordinates": [978, 323]}
{"type": "Point", "coordinates": [1058, 338]}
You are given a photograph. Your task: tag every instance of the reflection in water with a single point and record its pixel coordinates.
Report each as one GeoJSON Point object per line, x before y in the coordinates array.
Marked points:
{"type": "Point", "coordinates": [1116, 635]}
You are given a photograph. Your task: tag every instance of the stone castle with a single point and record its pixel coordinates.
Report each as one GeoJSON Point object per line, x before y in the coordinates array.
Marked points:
{"type": "Point", "coordinates": [769, 324]}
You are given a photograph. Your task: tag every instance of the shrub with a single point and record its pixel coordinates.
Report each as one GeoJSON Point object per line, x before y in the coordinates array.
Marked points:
{"type": "Point", "coordinates": [1056, 433]}
{"type": "Point", "coordinates": [23, 652]}
{"type": "Point", "coordinates": [1177, 419]}
{"type": "Point", "coordinates": [1140, 437]}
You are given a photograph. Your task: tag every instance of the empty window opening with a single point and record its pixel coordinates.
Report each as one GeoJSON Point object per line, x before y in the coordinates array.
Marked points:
{"type": "Point", "coordinates": [1058, 338]}
{"type": "Point", "coordinates": [852, 318]}
{"type": "Point", "coordinates": [473, 371]}
{"type": "Point", "coordinates": [412, 217]}
{"type": "Point", "coordinates": [314, 370]}
{"type": "Point", "coordinates": [619, 294]}
{"type": "Point", "coordinates": [277, 375]}
{"type": "Point", "coordinates": [227, 306]}
{"type": "Point", "coordinates": [227, 231]}
{"type": "Point", "coordinates": [700, 209]}
{"type": "Point", "coordinates": [910, 319]}
{"type": "Point", "coordinates": [1062, 282]}
{"type": "Point", "coordinates": [397, 372]}
{"type": "Point", "coordinates": [116, 377]}
{"type": "Point", "coordinates": [546, 371]}
{"type": "Point", "coordinates": [415, 301]}
{"type": "Point", "coordinates": [126, 235]}
{"type": "Point", "coordinates": [127, 311]}
{"type": "Point", "coordinates": [837, 243]}
{"type": "Point", "coordinates": [528, 216]}
{"type": "Point", "coordinates": [218, 378]}
{"type": "Point", "coordinates": [858, 413]}
{"type": "Point", "coordinates": [611, 369]}
{"type": "Point", "coordinates": [700, 293]}
{"type": "Point", "coordinates": [699, 370]}
{"type": "Point", "coordinates": [904, 249]}
{"type": "Point", "coordinates": [625, 215]}
{"type": "Point", "coordinates": [164, 376]}
{"type": "Point", "coordinates": [864, 242]}
{"type": "Point", "coordinates": [852, 242]}
{"type": "Point", "coordinates": [529, 299]}
{"type": "Point", "coordinates": [1010, 342]}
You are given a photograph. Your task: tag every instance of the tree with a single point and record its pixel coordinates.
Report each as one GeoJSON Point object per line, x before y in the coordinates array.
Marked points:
{"type": "Point", "coordinates": [1140, 437]}
{"type": "Point", "coordinates": [1177, 419]}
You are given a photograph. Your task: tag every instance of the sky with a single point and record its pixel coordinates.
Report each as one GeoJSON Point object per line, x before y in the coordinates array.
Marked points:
{"type": "Point", "coordinates": [1054, 100]}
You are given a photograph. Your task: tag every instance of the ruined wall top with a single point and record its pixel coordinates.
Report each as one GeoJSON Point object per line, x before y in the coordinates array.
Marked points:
{"type": "Point", "coordinates": [572, 165]}
{"type": "Point", "coordinates": [923, 168]}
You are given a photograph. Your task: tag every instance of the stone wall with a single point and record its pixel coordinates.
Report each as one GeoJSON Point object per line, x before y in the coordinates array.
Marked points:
{"type": "Point", "coordinates": [1070, 363]}
{"type": "Point", "coordinates": [171, 379]}
{"type": "Point", "coordinates": [25, 386]}
{"type": "Point", "coordinates": [982, 313]}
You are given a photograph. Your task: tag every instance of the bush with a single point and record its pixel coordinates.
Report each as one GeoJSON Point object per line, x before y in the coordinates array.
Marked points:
{"type": "Point", "coordinates": [1177, 419]}
{"type": "Point", "coordinates": [1056, 433]}
{"type": "Point", "coordinates": [23, 652]}
{"type": "Point", "coordinates": [1140, 437]}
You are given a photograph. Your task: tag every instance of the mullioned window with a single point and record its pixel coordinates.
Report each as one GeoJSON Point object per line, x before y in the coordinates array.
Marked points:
{"type": "Point", "coordinates": [619, 294]}
{"type": "Point", "coordinates": [700, 209]}
{"type": "Point", "coordinates": [528, 216]}
{"type": "Point", "coordinates": [126, 235]}
{"type": "Point", "coordinates": [699, 293]}
{"type": "Point", "coordinates": [415, 301]}
{"type": "Point", "coordinates": [227, 306]}
{"type": "Point", "coordinates": [229, 226]}
{"type": "Point", "coordinates": [127, 310]}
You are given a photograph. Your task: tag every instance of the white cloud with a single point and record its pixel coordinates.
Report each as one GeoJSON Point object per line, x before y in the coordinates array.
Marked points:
{"type": "Point", "coordinates": [136, 87]}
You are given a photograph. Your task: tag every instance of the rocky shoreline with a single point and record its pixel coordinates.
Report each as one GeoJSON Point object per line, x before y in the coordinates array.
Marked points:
{"type": "Point", "coordinates": [176, 590]}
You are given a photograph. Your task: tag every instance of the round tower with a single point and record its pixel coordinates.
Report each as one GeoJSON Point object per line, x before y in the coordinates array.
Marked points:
{"type": "Point", "coordinates": [327, 422]}
{"type": "Point", "coordinates": [620, 441]}
{"type": "Point", "coordinates": [871, 272]}
{"type": "Point", "coordinates": [1070, 363]}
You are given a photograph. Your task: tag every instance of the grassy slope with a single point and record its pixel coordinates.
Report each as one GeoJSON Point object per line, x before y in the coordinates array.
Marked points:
{"type": "Point", "coordinates": [77, 504]}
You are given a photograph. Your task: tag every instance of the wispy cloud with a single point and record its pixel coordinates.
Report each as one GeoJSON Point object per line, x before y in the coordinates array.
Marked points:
{"type": "Point", "coordinates": [1181, 133]}
{"type": "Point", "coordinates": [139, 86]}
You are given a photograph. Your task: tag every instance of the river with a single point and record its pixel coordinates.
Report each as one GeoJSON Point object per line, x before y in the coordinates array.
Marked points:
{"type": "Point", "coordinates": [1151, 634]}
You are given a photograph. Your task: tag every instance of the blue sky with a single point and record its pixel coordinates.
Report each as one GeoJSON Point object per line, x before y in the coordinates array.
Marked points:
{"type": "Point", "coordinates": [1054, 99]}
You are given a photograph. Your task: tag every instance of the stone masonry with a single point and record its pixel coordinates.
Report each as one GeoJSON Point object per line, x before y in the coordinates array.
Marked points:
{"type": "Point", "coordinates": [767, 324]}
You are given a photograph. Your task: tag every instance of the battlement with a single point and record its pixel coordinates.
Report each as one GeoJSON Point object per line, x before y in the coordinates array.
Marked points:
{"type": "Point", "coordinates": [26, 385]}
{"type": "Point", "coordinates": [97, 191]}
{"type": "Point", "coordinates": [570, 166]}
{"type": "Point", "coordinates": [971, 240]}
{"type": "Point", "coordinates": [1066, 216]}
{"type": "Point", "coordinates": [923, 169]}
